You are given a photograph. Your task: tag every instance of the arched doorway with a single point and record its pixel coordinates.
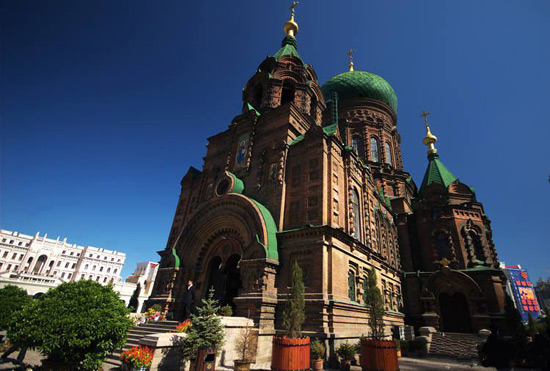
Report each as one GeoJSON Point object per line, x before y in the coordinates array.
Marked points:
{"type": "Point", "coordinates": [225, 279]}
{"type": "Point", "coordinates": [39, 264]}
{"type": "Point", "coordinates": [454, 313]}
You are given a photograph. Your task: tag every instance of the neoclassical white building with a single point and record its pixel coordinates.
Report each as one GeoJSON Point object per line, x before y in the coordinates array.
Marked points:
{"type": "Point", "coordinates": [37, 263]}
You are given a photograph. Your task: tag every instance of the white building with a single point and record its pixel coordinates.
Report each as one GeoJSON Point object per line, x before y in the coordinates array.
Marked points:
{"type": "Point", "coordinates": [37, 263]}
{"type": "Point", "coordinates": [144, 275]}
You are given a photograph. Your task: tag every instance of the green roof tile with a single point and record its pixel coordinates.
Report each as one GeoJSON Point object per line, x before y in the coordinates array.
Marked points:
{"type": "Point", "coordinates": [437, 173]}
{"type": "Point", "coordinates": [289, 46]}
{"type": "Point", "coordinates": [360, 84]}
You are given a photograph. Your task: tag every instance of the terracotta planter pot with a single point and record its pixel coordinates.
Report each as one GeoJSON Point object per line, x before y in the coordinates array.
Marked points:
{"type": "Point", "coordinates": [290, 354]}
{"type": "Point", "coordinates": [379, 355]}
{"type": "Point", "coordinates": [317, 364]}
{"type": "Point", "coordinates": [59, 366]}
{"type": "Point", "coordinates": [241, 365]}
{"type": "Point", "coordinates": [345, 365]}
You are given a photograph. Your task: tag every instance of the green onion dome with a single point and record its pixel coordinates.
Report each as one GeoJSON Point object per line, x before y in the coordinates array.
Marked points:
{"type": "Point", "coordinates": [361, 84]}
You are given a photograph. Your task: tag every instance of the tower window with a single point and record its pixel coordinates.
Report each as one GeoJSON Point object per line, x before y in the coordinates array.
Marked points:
{"type": "Point", "coordinates": [441, 245]}
{"type": "Point", "coordinates": [357, 144]}
{"type": "Point", "coordinates": [288, 92]}
{"type": "Point", "coordinates": [389, 158]}
{"type": "Point", "coordinates": [374, 149]}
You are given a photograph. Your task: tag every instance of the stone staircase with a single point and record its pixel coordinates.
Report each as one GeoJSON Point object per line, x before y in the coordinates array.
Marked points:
{"type": "Point", "coordinates": [134, 335]}
{"type": "Point", "coordinates": [455, 345]}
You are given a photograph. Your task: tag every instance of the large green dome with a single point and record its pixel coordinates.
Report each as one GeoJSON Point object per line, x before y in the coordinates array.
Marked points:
{"type": "Point", "coordinates": [361, 84]}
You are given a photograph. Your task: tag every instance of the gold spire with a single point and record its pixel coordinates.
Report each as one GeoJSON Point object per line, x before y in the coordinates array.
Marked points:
{"type": "Point", "coordinates": [291, 27]}
{"type": "Point", "coordinates": [350, 55]}
{"type": "Point", "coordinates": [429, 139]}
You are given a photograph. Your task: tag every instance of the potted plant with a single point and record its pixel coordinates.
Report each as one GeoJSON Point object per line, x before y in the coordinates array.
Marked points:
{"type": "Point", "coordinates": [245, 346]}
{"type": "Point", "coordinates": [183, 326]}
{"type": "Point", "coordinates": [137, 358]}
{"type": "Point", "coordinates": [376, 353]}
{"type": "Point", "coordinates": [398, 348]}
{"type": "Point", "coordinates": [291, 351]}
{"type": "Point", "coordinates": [76, 325]}
{"type": "Point", "coordinates": [226, 311]}
{"type": "Point", "coordinates": [318, 352]}
{"type": "Point", "coordinates": [206, 330]}
{"type": "Point", "coordinates": [404, 346]}
{"type": "Point", "coordinates": [345, 352]}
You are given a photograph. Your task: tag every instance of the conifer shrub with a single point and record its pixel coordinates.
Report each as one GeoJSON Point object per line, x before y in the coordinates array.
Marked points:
{"type": "Point", "coordinates": [294, 313]}
{"type": "Point", "coordinates": [80, 322]}
{"type": "Point", "coordinates": [206, 328]}
{"type": "Point", "coordinates": [12, 300]}
{"type": "Point", "coordinates": [374, 302]}
{"type": "Point", "coordinates": [133, 304]}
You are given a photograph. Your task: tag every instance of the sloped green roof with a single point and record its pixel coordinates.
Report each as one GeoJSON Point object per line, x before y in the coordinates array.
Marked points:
{"type": "Point", "coordinates": [436, 173]}
{"type": "Point", "coordinates": [238, 185]}
{"type": "Point", "coordinates": [271, 250]}
{"type": "Point", "coordinates": [329, 130]}
{"type": "Point", "coordinates": [289, 46]}
{"type": "Point", "coordinates": [176, 258]}
{"type": "Point", "coordinates": [360, 84]}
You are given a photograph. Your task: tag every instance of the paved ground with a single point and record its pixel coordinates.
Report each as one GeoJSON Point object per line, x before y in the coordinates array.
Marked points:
{"type": "Point", "coordinates": [405, 363]}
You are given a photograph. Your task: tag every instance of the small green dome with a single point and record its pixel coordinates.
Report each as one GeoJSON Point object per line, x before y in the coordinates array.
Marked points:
{"type": "Point", "coordinates": [361, 84]}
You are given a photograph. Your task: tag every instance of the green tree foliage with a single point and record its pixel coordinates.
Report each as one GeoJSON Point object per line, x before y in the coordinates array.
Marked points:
{"type": "Point", "coordinates": [133, 304]}
{"type": "Point", "coordinates": [75, 322]}
{"type": "Point", "coordinates": [294, 313]}
{"type": "Point", "coordinates": [206, 328]}
{"type": "Point", "coordinates": [531, 325]}
{"type": "Point", "coordinates": [12, 300]}
{"type": "Point", "coordinates": [513, 320]}
{"type": "Point", "coordinates": [374, 301]}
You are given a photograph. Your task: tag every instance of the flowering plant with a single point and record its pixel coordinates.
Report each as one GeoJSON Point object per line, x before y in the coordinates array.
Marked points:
{"type": "Point", "coordinates": [183, 326]}
{"type": "Point", "coordinates": [137, 357]}
{"type": "Point", "coordinates": [152, 315]}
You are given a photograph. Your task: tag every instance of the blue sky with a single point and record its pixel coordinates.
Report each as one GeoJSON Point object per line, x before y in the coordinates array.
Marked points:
{"type": "Point", "coordinates": [105, 104]}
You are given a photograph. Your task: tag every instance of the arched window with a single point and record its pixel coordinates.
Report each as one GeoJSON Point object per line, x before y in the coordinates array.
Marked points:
{"type": "Point", "coordinates": [389, 158]}
{"type": "Point", "coordinates": [441, 245]}
{"type": "Point", "coordinates": [257, 99]}
{"type": "Point", "coordinates": [357, 144]}
{"type": "Point", "coordinates": [374, 149]}
{"type": "Point", "coordinates": [478, 248]}
{"type": "Point", "coordinates": [351, 285]}
{"type": "Point", "coordinates": [356, 214]}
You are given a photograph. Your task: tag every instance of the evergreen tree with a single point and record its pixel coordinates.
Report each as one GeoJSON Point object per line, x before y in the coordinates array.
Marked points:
{"type": "Point", "coordinates": [206, 328]}
{"type": "Point", "coordinates": [513, 320]}
{"type": "Point", "coordinates": [293, 315]}
{"type": "Point", "coordinates": [531, 325]}
{"type": "Point", "coordinates": [134, 302]}
{"type": "Point", "coordinates": [374, 301]}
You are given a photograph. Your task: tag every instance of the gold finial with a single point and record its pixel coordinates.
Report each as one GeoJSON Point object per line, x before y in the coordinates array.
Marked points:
{"type": "Point", "coordinates": [350, 56]}
{"type": "Point", "coordinates": [445, 262]}
{"type": "Point", "coordinates": [291, 27]}
{"type": "Point", "coordinates": [429, 139]}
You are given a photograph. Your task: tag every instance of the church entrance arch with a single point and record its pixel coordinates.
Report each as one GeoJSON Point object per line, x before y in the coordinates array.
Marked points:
{"type": "Point", "coordinates": [225, 279]}
{"type": "Point", "coordinates": [454, 312]}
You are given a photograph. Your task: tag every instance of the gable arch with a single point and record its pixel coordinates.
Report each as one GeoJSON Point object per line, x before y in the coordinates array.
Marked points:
{"type": "Point", "coordinates": [451, 281]}
{"type": "Point", "coordinates": [230, 216]}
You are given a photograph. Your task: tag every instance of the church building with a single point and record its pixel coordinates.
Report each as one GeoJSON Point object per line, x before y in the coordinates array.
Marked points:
{"type": "Point", "coordinates": [313, 174]}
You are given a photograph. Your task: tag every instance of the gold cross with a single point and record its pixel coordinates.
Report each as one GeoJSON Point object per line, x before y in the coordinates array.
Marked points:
{"type": "Point", "coordinates": [294, 3]}
{"type": "Point", "coordinates": [350, 55]}
{"type": "Point", "coordinates": [425, 114]}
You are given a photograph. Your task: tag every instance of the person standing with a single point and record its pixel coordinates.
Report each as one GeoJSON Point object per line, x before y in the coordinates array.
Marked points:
{"type": "Point", "coordinates": [189, 299]}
